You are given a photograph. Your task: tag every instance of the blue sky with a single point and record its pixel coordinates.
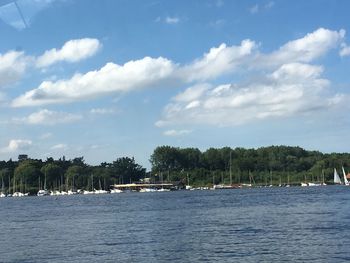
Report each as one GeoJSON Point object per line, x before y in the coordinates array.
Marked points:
{"type": "Point", "coordinates": [106, 79]}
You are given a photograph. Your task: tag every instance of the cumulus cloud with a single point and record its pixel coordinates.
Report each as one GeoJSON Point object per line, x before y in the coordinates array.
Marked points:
{"type": "Point", "coordinates": [218, 61]}
{"type": "Point", "coordinates": [146, 72]}
{"type": "Point", "coordinates": [72, 51]}
{"type": "Point", "coordinates": [155, 72]}
{"type": "Point", "coordinates": [306, 49]}
{"type": "Point", "coordinates": [291, 89]}
{"type": "Point", "coordinates": [16, 145]}
{"type": "Point", "coordinates": [12, 66]}
{"type": "Point", "coordinates": [47, 117]}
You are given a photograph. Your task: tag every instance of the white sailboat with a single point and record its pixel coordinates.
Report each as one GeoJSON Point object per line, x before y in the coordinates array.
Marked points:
{"type": "Point", "coordinates": [2, 193]}
{"type": "Point", "coordinates": [42, 192]}
{"type": "Point", "coordinates": [336, 177]}
{"type": "Point", "coordinates": [346, 182]}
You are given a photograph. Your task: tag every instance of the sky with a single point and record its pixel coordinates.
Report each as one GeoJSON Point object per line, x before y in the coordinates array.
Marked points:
{"type": "Point", "coordinates": [112, 78]}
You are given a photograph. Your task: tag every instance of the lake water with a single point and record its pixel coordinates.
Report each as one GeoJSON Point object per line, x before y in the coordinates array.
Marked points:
{"type": "Point", "coordinates": [248, 225]}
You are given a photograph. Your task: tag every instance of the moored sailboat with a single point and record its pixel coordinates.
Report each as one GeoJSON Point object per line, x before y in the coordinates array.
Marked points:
{"type": "Point", "coordinates": [336, 177]}
{"type": "Point", "coordinates": [346, 182]}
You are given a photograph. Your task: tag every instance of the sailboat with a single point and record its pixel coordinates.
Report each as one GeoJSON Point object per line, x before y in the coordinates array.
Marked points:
{"type": "Point", "coordinates": [2, 193]}
{"type": "Point", "coordinates": [42, 192]}
{"type": "Point", "coordinates": [346, 182]}
{"type": "Point", "coordinates": [323, 182]}
{"type": "Point", "coordinates": [87, 192]}
{"type": "Point", "coordinates": [336, 177]}
{"type": "Point", "coordinates": [100, 191]}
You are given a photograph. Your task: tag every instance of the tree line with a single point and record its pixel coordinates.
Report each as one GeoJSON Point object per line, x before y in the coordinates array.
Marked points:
{"type": "Point", "coordinates": [29, 175]}
{"type": "Point", "coordinates": [265, 165]}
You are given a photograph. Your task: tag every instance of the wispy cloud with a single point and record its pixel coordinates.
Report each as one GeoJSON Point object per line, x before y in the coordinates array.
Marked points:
{"type": "Point", "coordinates": [257, 8]}
{"type": "Point", "coordinates": [47, 117]}
{"type": "Point", "coordinates": [45, 136]}
{"type": "Point", "coordinates": [102, 111]}
{"type": "Point", "coordinates": [254, 9]}
{"type": "Point", "coordinates": [269, 5]}
{"type": "Point", "coordinates": [172, 20]}
{"type": "Point", "coordinates": [175, 133]}
{"type": "Point", "coordinates": [60, 146]}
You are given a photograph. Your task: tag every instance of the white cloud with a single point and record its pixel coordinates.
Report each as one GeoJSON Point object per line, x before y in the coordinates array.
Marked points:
{"type": "Point", "coordinates": [16, 145]}
{"type": "Point", "coordinates": [102, 111]}
{"type": "Point", "coordinates": [291, 89]}
{"type": "Point", "coordinates": [60, 146]}
{"type": "Point", "coordinates": [155, 72]}
{"type": "Point", "coordinates": [176, 132]}
{"type": "Point", "coordinates": [172, 20]}
{"type": "Point", "coordinates": [218, 61]}
{"type": "Point", "coordinates": [192, 93]}
{"type": "Point", "coordinates": [345, 50]}
{"type": "Point", "coordinates": [312, 46]}
{"type": "Point", "coordinates": [72, 51]}
{"type": "Point", "coordinates": [146, 72]}
{"type": "Point", "coordinates": [12, 66]}
{"type": "Point", "coordinates": [47, 117]}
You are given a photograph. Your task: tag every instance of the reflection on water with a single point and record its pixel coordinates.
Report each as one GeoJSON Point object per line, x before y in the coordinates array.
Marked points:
{"type": "Point", "coordinates": [248, 225]}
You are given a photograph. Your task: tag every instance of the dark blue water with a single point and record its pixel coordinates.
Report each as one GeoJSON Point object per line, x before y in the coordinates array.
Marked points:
{"type": "Point", "coordinates": [248, 225]}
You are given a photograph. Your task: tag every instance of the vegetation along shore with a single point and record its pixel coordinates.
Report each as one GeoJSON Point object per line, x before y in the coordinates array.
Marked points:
{"type": "Point", "coordinates": [274, 165]}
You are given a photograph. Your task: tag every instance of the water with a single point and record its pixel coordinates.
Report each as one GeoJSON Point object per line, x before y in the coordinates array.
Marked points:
{"type": "Point", "coordinates": [248, 225]}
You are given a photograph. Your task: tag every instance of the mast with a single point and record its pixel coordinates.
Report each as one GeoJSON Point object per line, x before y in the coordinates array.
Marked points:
{"type": "Point", "coordinates": [45, 181]}
{"type": "Point", "coordinates": [323, 177]}
{"type": "Point", "coordinates": [270, 177]}
{"type": "Point", "coordinates": [230, 167]}
{"type": "Point", "coordinates": [2, 184]}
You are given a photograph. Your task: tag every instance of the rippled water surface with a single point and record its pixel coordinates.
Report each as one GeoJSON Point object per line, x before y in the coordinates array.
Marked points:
{"type": "Point", "coordinates": [248, 225]}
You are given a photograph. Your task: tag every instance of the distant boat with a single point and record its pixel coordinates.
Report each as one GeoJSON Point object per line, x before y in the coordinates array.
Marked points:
{"type": "Point", "coordinates": [19, 194]}
{"type": "Point", "coordinates": [43, 192]}
{"type": "Point", "coordinates": [346, 182]}
{"type": "Point", "coordinates": [116, 191]}
{"type": "Point", "coordinates": [323, 182]}
{"type": "Point", "coordinates": [303, 184]}
{"type": "Point", "coordinates": [336, 177]}
{"type": "Point", "coordinates": [147, 190]}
